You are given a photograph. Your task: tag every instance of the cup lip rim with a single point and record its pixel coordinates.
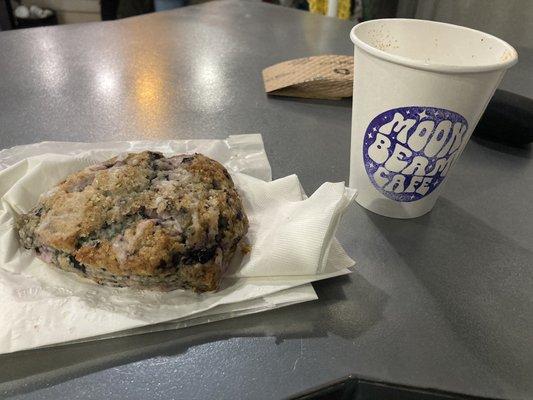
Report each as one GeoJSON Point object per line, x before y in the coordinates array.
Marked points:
{"type": "Point", "coordinates": [445, 68]}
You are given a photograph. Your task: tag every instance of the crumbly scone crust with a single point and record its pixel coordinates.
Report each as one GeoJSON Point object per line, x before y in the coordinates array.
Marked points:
{"type": "Point", "coordinates": [141, 220]}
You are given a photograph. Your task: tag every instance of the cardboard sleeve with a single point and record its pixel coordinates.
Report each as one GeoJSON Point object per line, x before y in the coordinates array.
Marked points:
{"type": "Point", "coordinates": [319, 77]}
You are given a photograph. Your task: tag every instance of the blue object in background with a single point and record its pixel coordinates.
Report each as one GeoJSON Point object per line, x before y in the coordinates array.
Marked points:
{"type": "Point", "coordinates": [162, 5]}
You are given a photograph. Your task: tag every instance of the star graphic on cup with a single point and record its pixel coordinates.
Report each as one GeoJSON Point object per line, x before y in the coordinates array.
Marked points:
{"type": "Point", "coordinates": [412, 197]}
{"type": "Point", "coordinates": [371, 165]}
{"type": "Point", "coordinates": [422, 114]}
{"type": "Point", "coordinates": [374, 129]}
{"type": "Point", "coordinates": [370, 135]}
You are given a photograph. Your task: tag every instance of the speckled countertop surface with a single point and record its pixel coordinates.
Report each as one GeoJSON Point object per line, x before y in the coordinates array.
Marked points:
{"type": "Point", "coordinates": [443, 301]}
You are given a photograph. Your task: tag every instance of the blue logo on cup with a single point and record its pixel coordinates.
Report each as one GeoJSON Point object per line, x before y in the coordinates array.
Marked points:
{"type": "Point", "coordinates": [408, 151]}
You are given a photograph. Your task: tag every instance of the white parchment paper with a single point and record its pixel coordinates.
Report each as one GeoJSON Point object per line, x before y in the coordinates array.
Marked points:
{"type": "Point", "coordinates": [292, 240]}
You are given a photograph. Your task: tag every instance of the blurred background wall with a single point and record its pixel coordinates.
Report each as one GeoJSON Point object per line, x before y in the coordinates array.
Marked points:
{"type": "Point", "coordinates": [512, 20]}
{"type": "Point", "coordinates": [70, 11]}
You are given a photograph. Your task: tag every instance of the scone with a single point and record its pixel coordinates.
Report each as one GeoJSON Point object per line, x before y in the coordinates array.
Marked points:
{"type": "Point", "coordinates": [141, 220]}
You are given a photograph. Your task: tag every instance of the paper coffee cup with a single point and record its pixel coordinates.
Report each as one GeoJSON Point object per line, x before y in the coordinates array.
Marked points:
{"type": "Point", "coordinates": [420, 88]}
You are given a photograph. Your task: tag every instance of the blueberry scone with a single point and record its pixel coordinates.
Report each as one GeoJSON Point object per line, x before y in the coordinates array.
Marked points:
{"type": "Point", "coordinates": [141, 220]}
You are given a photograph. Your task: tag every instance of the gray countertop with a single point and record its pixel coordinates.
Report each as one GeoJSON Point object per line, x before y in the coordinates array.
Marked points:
{"type": "Point", "coordinates": [443, 301]}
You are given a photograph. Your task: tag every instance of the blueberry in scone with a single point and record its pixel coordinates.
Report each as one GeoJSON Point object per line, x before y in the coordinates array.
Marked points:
{"type": "Point", "coordinates": [141, 220]}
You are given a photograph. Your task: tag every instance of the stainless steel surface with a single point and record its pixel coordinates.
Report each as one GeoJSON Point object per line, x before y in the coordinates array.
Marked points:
{"type": "Point", "coordinates": [443, 301]}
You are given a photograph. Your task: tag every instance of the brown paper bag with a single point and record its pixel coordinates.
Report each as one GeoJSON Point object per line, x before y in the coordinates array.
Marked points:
{"type": "Point", "coordinates": [320, 77]}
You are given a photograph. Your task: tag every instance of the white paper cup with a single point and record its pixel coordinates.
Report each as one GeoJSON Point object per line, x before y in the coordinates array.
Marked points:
{"type": "Point", "coordinates": [420, 88]}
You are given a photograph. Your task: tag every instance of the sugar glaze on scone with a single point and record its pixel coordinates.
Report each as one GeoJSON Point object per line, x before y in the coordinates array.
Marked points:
{"type": "Point", "coordinates": [141, 220]}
